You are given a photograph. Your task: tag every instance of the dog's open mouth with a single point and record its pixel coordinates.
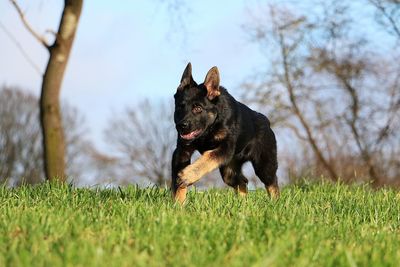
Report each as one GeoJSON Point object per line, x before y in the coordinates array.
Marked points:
{"type": "Point", "coordinates": [191, 135]}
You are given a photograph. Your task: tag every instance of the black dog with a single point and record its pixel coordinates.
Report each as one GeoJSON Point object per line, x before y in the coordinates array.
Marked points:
{"type": "Point", "coordinates": [226, 132]}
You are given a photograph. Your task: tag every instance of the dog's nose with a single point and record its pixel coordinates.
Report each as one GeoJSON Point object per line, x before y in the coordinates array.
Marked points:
{"type": "Point", "coordinates": [183, 125]}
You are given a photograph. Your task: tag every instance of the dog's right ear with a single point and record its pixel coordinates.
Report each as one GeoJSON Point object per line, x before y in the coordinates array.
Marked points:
{"type": "Point", "coordinates": [212, 83]}
{"type": "Point", "coordinates": [187, 78]}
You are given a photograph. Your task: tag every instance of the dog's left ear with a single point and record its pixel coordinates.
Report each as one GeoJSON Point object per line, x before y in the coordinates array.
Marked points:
{"type": "Point", "coordinates": [212, 83]}
{"type": "Point", "coordinates": [187, 77]}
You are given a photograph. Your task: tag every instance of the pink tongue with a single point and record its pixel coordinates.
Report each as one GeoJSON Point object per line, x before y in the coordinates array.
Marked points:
{"type": "Point", "coordinates": [189, 135]}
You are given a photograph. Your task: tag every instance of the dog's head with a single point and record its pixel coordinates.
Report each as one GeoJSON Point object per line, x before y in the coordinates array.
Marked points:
{"type": "Point", "coordinates": [195, 104]}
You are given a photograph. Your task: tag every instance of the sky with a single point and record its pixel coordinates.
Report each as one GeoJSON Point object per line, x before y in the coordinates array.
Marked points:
{"type": "Point", "coordinates": [126, 51]}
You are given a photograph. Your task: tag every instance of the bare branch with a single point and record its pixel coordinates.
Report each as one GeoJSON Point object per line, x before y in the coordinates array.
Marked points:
{"type": "Point", "coordinates": [343, 95]}
{"type": "Point", "coordinates": [296, 109]}
{"type": "Point", "coordinates": [37, 36]}
{"type": "Point", "coordinates": [295, 130]}
{"type": "Point", "coordinates": [392, 21]}
{"type": "Point", "coordinates": [21, 49]}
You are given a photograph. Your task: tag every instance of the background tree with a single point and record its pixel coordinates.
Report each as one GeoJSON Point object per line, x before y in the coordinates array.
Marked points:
{"type": "Point", "coordinates": [21, 154]}
{"type": "Point", "coordinates": [50, 111]}
{"type": "Point", "coordinates": [144, 138]}
{"type": "Point", "coordinates": [20, 140]}
{"type": "Point", "coordinates": [333, 86]}
{"type": "Point", "coordinates": [388, 15]}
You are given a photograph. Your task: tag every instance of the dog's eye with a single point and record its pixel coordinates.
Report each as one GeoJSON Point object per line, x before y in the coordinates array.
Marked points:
{"type": "Point", "coordinates": [197, 109]}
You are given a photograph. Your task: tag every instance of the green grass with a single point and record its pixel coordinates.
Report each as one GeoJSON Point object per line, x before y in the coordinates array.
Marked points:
{"type": "Point", "coordinates": [310, 225]}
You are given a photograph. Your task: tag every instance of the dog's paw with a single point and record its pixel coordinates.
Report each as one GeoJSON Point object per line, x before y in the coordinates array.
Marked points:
{"type": "Point", "coordinates": [181, 181]}
{"type": "Point", "coordinates": [185, 178]}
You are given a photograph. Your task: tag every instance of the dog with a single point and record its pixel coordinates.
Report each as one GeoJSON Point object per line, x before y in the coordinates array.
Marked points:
{"type": "Point", "coordinates": [226, 132]}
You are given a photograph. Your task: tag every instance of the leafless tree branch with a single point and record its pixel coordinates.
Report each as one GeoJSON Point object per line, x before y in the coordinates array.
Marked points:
{"type": "Point", "coordinates": [383, 10]}
{"type": "Point", "coordinates": [285, 50]}
{"type": "Point", "coordinates": [343, 96]}
{"type": "Point", "coordinates": [37, 36]}
{"type": "Point", "coordinates": [21, 49]}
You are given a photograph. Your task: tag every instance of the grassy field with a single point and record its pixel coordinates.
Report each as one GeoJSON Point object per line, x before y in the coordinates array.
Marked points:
{"type": "Point", "coordinates": [310, 225]}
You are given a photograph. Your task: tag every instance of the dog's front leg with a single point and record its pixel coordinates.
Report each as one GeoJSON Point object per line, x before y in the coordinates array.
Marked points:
{"type": "Point", "coordinates": [180, 159]}
{"type": "Point", "coordinates": [208, 161]}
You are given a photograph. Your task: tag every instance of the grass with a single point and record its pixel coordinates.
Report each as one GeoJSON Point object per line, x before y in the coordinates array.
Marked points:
{"type": "Point", "coordinates": [313, 224]}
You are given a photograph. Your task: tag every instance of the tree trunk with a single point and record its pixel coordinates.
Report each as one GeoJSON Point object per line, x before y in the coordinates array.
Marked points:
{"type": "Point", "coordinates": [50, 113]}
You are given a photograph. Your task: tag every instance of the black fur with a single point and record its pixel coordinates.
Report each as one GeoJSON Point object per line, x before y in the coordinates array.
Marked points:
{"type": "Point", "coordinates": [231, 130]}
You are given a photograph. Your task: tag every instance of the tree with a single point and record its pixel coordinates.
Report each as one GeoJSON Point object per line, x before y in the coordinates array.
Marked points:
{"type": "Point", "coordinates": [50, 110]}
{"type": "Point", "coordinates": [144, 138]}
{"type": "Point", "coordinates": [332, 88]}
{"type": "Point", "coordinates": [20, 140]}
{"type": "Point", "coordinates": [388, 15]}
{"type": "Point", "coordinates": [21, 155]}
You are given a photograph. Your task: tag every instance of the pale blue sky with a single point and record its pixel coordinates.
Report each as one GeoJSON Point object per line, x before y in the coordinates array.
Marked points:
{"type": "Point", "coordinates": [129, 50]}
{"type": "Point", "coordinates": [126, 51]}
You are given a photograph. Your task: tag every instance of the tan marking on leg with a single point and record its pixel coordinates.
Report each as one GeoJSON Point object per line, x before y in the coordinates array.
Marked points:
{"type": "Point", "coordinates": [180, 195]}
{"type": "Point", "coordinates": [242, 190]}
{"type": "Point", "coordinates": [273, 191]}
{"type": "Point", "coordinates": [203, 165]}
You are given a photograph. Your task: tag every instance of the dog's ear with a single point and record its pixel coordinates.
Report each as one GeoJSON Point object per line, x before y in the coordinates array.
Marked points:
{"type": "Point", "coordinates": [212, 83]}
{"type": "Point", "coordinates": [187, 78]}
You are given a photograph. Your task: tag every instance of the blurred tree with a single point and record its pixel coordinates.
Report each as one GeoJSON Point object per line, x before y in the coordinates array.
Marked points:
{"type": "Point", "coordinates": [388, 15]}
{"type": "Point", "coordinates": [50, 113]}
{"type": "Point", "coordinates": [332, 87]}
{"type": "Point", "coordinates": [20, 139]}
{"type": "Point", "coordinates": [144, 138]}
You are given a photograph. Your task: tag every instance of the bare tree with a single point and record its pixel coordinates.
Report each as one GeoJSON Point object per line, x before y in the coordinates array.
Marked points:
{"type": "Point", "coordinates": [388, 15]}
{"type": "Point", "coordinates": [286, 84]}
{"type": "Point", "coordinates": [21, 158]}
{"type": "Point", "coordinates": [50, 111]}
{"type": "Point", "coordinates": [144, 138]}
{"type": "Point", "coordinates": [20, 140]}
{"type": "Point", "coordinates": [332, 88]}
{"type": "Point", "coordinates": [104, 168]}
